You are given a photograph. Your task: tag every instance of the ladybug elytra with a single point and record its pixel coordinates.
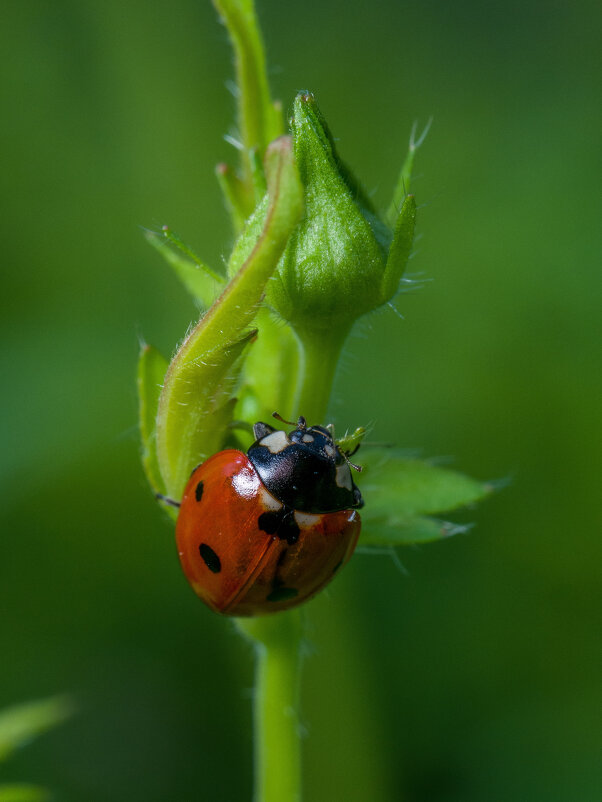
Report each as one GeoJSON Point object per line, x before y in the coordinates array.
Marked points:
{"type": "Point", "coordinates": [266, 530]}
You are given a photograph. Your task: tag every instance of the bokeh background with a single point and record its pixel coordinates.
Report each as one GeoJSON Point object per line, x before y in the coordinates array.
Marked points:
{"type": "Point", "coordinates": [476, 674]}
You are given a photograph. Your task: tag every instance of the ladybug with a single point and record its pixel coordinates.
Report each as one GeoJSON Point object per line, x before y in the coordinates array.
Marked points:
{"type": "Point", "coordinates": [266, 530]}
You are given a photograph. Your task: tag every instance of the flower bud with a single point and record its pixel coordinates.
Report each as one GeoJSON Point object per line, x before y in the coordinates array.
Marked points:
{"type": "Point", "coordinates": [342, 261]}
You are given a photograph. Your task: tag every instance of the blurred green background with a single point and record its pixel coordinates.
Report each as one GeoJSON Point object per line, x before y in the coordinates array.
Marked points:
{"type": "Point", "coordinates": [475, 676]}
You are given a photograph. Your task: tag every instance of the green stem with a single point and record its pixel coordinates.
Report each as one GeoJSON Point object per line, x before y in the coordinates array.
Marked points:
{"type": "Point", "coordinates": [258, 119]}
{"type": "Point", "coordinates": [277, 640]}
{"type": "Point", "coordinates": [320, 352]}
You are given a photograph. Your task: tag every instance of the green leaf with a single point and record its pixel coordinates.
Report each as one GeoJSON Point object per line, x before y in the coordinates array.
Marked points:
{"type": "Point", "coordinates": [389, 531]}
{"type": "Point", "coordinates": [238, 197]}
{"type": "Point", "coordinates": [259, 183]}
{"type": "Point", "coordinates": [194, 405]}
{"type": "Point", "coordinates": [152, 367]}
{"type": "Point", "coordinates": [203, 283]}
{"type": "Point", "coordinates": [201, 376]}
{"type": "Point", "coordinates": [21, 723]}
{"type": "Point", "coordinates": [23, 793]}
{"type": "Point", "coordinates": [399, 491]}
{"type": "Point", "coordinates": [242, 197]}
{"type": "Point", "coordinates": [409, 487]}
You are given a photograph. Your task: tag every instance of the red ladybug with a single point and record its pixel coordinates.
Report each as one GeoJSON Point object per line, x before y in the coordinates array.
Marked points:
{"type": "Point", "coordinates": [264, 531]}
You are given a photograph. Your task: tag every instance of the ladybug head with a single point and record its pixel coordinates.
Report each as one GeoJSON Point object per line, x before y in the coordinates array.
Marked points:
{"type": "Point", "coordinates": [304, 469]}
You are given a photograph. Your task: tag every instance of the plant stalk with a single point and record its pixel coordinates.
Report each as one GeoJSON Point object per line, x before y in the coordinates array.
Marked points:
{"type": "Point", "coordinates": [320, 352]}
{"type": "Point", "coordinates": [277, 640]}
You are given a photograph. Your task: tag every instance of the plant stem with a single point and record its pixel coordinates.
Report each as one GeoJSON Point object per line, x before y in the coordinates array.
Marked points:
{"type": "Point", "coordinates": [320, 353]}
{"type": "Point", "coordinates": [259, 120]}
{"type": "Point", "coordinates": [277, 640]}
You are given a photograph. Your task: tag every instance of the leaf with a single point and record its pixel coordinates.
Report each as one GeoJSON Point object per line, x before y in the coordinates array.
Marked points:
{"type": "Point", "coordinates": [203, 283]}
{"type": "Point", "coordinates": [21, 723]}
{"type": "Point", "coordinates": [152, 367]}
{"type": "Point", "coordinates": [238, 197]}
{"type": "Point", "coordinates": [200, 378]}
{"type": "Point", "coordinates": [196, 393]}
{"type": "Point", "coordinates": [258, 176]}
{"type": "Point", "coordinates": [399, 491]}
{"type": "Point", "coordinates": [391, 532]}
{"type": "Point", "coordinates": [23, 793]}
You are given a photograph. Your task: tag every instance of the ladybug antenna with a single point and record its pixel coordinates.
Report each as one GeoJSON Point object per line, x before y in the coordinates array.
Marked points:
{"type": "Point", "coordinates": [301, 423]}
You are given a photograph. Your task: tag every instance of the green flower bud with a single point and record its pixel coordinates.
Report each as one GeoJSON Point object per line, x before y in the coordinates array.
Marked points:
{"type": "Point", "coordinates": [342, 261]}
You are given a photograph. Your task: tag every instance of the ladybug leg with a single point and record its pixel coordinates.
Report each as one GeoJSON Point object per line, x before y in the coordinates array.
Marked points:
{"type": "Point", "coordinates": [289, 529]}
{"type": "Point", "coordinates": [281, 524]}
{"type": "Point", "coordinates": [166, 500]}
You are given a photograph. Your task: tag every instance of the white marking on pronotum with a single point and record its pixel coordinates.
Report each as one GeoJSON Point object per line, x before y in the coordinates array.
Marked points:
{"type": "Point", "coordinates": [268, 500]}
{"type": "Point", "coordinates": [275, 442]}
{"type": "Point", "coordinates": [306, 518]}
{"type": "Point", "coordinates": [308, 438]}
{"type": "Point", "coordinates": [329, 450]}
{"type": "Point", "coordinates": [343, 476]}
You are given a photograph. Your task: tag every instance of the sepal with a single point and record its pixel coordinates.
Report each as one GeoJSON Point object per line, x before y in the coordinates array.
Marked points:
{"type": "Point", "coordinates": [400, 249]}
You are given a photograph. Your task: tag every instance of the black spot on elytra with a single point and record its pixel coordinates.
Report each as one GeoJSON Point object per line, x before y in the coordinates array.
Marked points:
{"type": "Point", "coordinates": [281, 594]}
{"type": "Point", "coordinates": [198, 491]}
{"type": "Point", "coordinates": [212, 561]}
{"type": "Point", "coordinates": [280, 523]}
